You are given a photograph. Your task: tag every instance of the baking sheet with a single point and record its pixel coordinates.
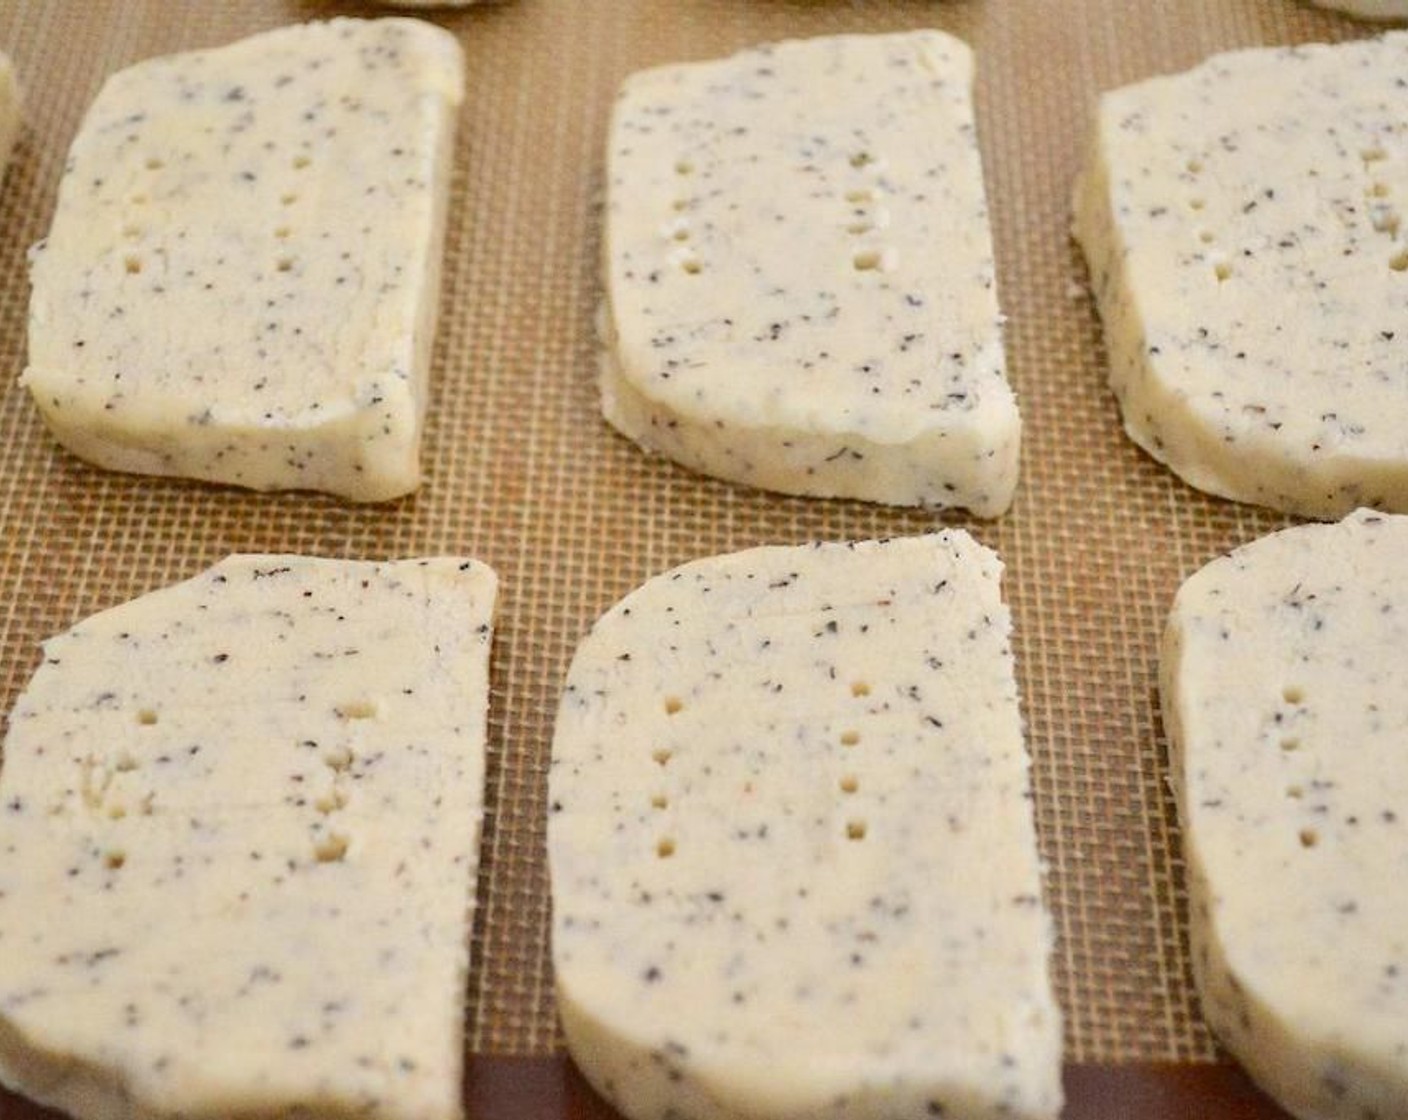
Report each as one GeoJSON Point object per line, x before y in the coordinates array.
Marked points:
{"type": "Point", "coordinates": [521, 472]}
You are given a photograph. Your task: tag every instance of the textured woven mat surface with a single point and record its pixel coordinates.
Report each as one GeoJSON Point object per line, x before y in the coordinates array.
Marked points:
{"type": "Point", "coordinates": [522, 473]}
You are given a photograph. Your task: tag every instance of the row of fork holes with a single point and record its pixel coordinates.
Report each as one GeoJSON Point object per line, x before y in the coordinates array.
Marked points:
{"type": "Point", "coordinates": [300, 162]}
{"type": "Point", "coordinates": [133, 264]}
{"type": "Point", "coordinates": [688, 262]}
{"type": "Point", "coordinates": [1294, 694]}
{"type": "Point", "coordinates": [331, 846]}
{"type": "Point", "coordinates": [1384, 217]}
{"type": "Point", "coordinates": [353, 710]}
{"type": "Point", "coordinates": [863, 260]}
{"type": "Point", "coordinates": [848, 783]}
{"type": "Point", "coordinates": [326, 849]}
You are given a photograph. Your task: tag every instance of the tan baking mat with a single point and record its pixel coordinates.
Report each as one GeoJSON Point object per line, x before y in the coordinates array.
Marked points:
{"type": "Point", "coordinates": [522, 473]}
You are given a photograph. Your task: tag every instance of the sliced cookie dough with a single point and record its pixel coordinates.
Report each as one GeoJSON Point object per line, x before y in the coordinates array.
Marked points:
{"type": "Point", "coordinates": [1285, 696]}
{"type": "Point", "coordinates": [799, 274]}
{"type": "Point", "coordinates": [239, 831]}
{"type": "Point", "coordinates": [241, 280]}
{"type": "Point", "coordinates": [1243, 226]}
{"type": "Point", "coordinates": [793, 862]}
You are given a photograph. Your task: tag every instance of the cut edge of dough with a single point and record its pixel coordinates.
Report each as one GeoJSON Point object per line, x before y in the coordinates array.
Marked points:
{"type": "Point", "coordinates": [1291, 1067]}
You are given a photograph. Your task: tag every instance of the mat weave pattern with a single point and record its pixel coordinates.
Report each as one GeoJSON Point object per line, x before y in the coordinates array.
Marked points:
{"type": "Point", "coordinates": [522, 473]}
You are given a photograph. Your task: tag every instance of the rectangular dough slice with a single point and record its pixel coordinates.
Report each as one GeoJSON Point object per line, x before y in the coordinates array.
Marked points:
{"type": "Point", "coordinates": [241, 280]}
{"type": "Point", "coordinates": [1243, 226]}
{"type": "Point", "coordinates": [794, 868]}
{"type": "Point", "coordinates": [1285, 694]}
{"type": "Point", "coordinates": [239, 832]}
{"type": "Point", "coordinates": [799, 274]}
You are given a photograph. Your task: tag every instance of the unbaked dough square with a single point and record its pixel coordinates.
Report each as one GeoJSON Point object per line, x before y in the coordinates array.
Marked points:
{"type": "Point", "coordinates": [799, 276]}
{"type": "Point", "coordinates": [241, 280]}
{"type": "Point", "coordinates": [1243, 223]}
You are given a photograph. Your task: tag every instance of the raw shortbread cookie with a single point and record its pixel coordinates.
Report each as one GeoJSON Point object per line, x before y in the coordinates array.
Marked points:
{"type": "Point", "coordinates": [1285, 693]}
{"type": "Point", "coordinates": [241, 281]}
{"type": "Point", "coordinates": [239, 824]}
{"type": "Point", "coordinates": [10, 111]}
{"type": "Point", "coordinates": [799, 274]}
{"type": "Point", "coordinates": [1242, 225]}
{"type": "Point", "coordinates": [794, 869]}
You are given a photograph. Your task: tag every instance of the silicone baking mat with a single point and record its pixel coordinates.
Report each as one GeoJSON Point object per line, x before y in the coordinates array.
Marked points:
{"type": "Point", "coordinates": [522, 472]}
